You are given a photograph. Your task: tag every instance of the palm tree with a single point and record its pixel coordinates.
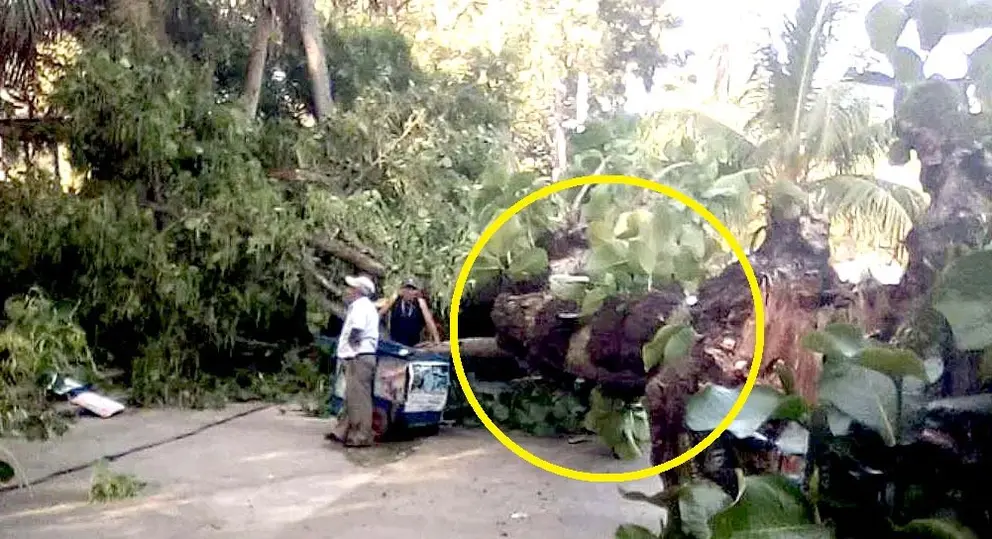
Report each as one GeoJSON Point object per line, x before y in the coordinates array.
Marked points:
{"type": "Point", "coordinates": [24, 24]}
{"type": "Point", "coordinates": [813, 139]}
{"type": "Point", "coordinates": [298, 18]}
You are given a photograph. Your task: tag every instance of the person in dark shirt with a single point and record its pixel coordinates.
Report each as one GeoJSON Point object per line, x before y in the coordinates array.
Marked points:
{"type": "Point", "coordinates": [408, 315]}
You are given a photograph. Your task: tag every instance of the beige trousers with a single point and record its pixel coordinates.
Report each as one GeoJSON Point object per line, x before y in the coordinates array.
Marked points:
{"type": "Point", "coordinates": [354, 427]}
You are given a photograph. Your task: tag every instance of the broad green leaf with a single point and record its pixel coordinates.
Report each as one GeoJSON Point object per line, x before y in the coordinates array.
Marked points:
{"type": "Point", "coordinates": [6, 472]}
{"type": "Point", "coordinates": [706, 409]}
{"type": "Point", "coordinates": [893, 362]}
{"type": "Point", "coordinates": [964, 297]}
{"type": "Point", "coordinates": [885, 22]}
{"type": "Point", "coordinates": [565, 289]}
{"type": "Point", "coordinates": [680, 344]}
{"type": "Point", "coordinates": [686, 266]}
{"type": "Point", "coordinates": [653, 352]}
{"type": "Point", "coordinates": [907, 65]}
{"type": "Point", "coordinates": [694, 239]}
{"type": "Point", "coordinates": [793, 407]}
{"type": "Point", "coordinates": [606, 256]}
{"type": "Point", "coordinates": [772, 507]}
{"type": "Point", "coordinates": [935, 528]}
{"type": "Point", "coordinates": [868, 396]}
{"type": "Point", "coordinates": [699, 502]}
{"type": "Point", "coordinates": [633, 531]}
{"type": "Point", "coordinates": [632, 223]}
{"type": "Point", "coordinates": [670, 343]}
{"type": "Point", "coordinates": [600, 233]}
{"type": "Point", "coordinates": [503, 239]}
{"type": "Point", "coordinates": [643, 258]}
{"type": "Point", "coordinates": [839, 422]}
{"type": "Point", "coordinates": [933, 20]}
{"type": "Point", "coordinates": [529, 264]}
{"type": "Point", "coordinates": [593, 301]}
{"type": "Point", "coordinates": [842, 341]}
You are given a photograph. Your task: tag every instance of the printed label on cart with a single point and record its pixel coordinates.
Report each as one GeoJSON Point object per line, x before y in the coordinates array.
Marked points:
{"type": "Point", "coordinates": [427, 389]}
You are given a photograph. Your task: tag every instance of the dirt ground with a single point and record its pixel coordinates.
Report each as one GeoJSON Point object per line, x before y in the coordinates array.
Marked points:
{"type": "Point", "coordinates": [265, 472]}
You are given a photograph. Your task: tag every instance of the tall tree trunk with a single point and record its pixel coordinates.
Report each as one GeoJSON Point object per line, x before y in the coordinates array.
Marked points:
{"type": "Point", "coordinates": [955, 173]}
{"type": "Point", "coordinates": [800, 292]}
{"type": "Point", "coordinates": [264, 25]}
{"type": "Point", "coordinates": [313, 45]}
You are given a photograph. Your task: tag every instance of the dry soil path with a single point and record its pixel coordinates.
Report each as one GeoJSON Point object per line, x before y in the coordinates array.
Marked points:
{"type": "Point", "coordinates": [268, 474]}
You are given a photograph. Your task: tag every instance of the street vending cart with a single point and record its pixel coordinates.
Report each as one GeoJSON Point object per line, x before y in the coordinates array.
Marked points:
{"type": "Point", "coordinates": [410, 388]}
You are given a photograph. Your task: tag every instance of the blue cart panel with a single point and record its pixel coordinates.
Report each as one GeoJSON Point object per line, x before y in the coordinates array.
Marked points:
{"type": "Point", "coordinates": [411, 386]}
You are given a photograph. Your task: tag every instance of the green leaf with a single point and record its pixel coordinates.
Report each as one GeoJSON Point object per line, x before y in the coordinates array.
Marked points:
{"type": "Point", "coordinates": [839, 422]}
{"type": "Point", "coordinates": [964, 297]}
{"type": "Point", "coordinates": [868, 396]}
{"type": "Point", "coordinates": [772, 506]}
{"type": "Point", "coordinates": [936, 528]}
{"type": "Point", "coordinates": [593, 301]}
{"type": "Point", "coordinates": [643, 257]}
{"type": "Point", "coordinates": [6, 472]}
{"type": "Point", "coordinates": [599, 233]}
{"type": "Point", "coordinates": [706, 409]}
{"type": "Point", "coordinates": [529, 264]}
{"type": "Point", "coordinates": [699, 502]}
{"type": "Point", "coordinates": [694, 239]}
{"type": "Point", "coordinates": [633, 531]}
{"type": "Point", "coordinates": [680, 344]}
{"type": "Point", "coordinates": [565, 289]}
{"type": "Point", "coordinates": [685, 266]}
{"type": "Point", "coordinates": [503, 239]}
{"type": "Point", "coordinates": [893, 362]}
{"type": "Point", "coordinates": [632, 223]}
{"type": "Point", "coordinates": [842, 341]}
{"type": "Point", "coordinates": [606, 256]}
{"type": "Point", "coordinates": [670, 343]}
{"type": "Point", "coordinates": [885, 23]}
{"type": "Point", "coordinates": [933, 20]}
{"type": "Point", "coordinates": [907, 65]}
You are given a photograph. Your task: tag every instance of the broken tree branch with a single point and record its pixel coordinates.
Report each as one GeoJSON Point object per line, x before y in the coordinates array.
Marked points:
{"type": "Point", "coordinates": [351, 255]}
{"type": "Point", "coordinates": [477, 347]}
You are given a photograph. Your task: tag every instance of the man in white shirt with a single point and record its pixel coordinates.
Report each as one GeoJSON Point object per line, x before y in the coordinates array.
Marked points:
{"type": "Point", "coordinates": [357, 349]}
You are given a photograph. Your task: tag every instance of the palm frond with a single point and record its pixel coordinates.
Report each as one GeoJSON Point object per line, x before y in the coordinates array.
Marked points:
{"type": "Point", "coordinates": [879, 214]}
{"type": "Point", "coordinates": [838, 129]}
{"type": "Point", "coordinates": [24, 24]}
{"type": "Point", "coordinates": [790, 73]}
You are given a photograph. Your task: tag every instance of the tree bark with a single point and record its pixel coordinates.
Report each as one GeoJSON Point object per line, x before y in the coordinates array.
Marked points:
{"type": "Point", "coordinates": [351, 255]}
{"type": "Point", "coordinates": [606, 349]}
{"type": "Point", "coordinates": [313, 45]}
{"type": "Point", "coordinates": [799, 291]}
{"type": "Point", "coordinates": [254, 78]}
{"type": "Point", "coordinates": [955, 173]}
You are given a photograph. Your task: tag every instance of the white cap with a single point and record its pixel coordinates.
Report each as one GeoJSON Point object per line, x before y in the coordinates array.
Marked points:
{"type": "Point", "coordinates": [362, 283]}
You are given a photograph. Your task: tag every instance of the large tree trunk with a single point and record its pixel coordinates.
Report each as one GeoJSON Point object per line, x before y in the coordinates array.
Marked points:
{"type": "Point", "coordinates": [554, 342]}
{"type": "Point", "coordinates": [254, 78]}
{"type": "Point", "coordinates": [800, 292]}
{"type": "Point", "coordinates": [956, 173]}
{"type": "Point", "coordinates": [313, 45]}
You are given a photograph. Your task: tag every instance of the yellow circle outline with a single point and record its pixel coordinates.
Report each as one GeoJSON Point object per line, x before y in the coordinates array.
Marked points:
{"type": "Point", "coordinates": [596, 477]}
